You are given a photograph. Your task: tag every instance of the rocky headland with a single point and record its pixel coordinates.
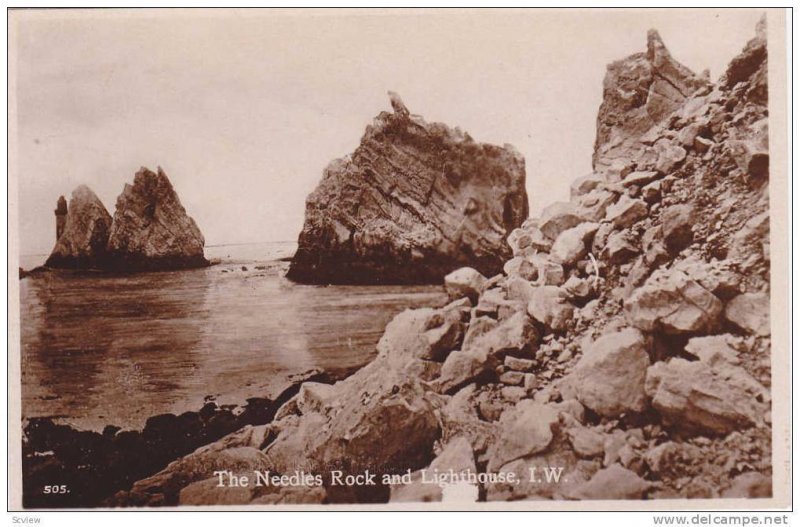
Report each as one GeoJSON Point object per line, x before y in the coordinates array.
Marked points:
{"type": "Point", "coordinates": [415, 201]}
{"type": "Point", "coordinates": [625, 344]}
{"type": "Point", "coordinates": [150, 230]}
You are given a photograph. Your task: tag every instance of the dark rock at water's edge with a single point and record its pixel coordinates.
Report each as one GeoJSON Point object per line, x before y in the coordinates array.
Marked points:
{"type": "Point", "coordinates": [150, 230]}
{"type": "Point", "coordinates": [83, 233]}
{"type": "Point", "coordinates": [415, 201]}
{"type": "Point", "coordinates": [96, 465]}
{"type": "Point", "coordinates": [36, 271]}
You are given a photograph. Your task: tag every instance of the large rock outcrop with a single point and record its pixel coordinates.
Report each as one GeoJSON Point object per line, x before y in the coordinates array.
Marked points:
{"type": "Point", "coordinates": [639, 92]}
{"type": "Point", "coordinates": [151, 230]}
{"type": "Point", "coordinates": [415, 201]}
{"type": "Point", "coordinates": [83, 238]}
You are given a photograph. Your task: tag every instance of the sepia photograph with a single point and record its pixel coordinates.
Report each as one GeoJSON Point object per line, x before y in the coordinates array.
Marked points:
{"type": "Point", "coordinates": [401, 259]}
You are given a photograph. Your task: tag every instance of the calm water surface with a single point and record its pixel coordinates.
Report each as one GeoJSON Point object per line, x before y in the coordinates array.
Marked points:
{"type": "Point", "coordinates": [102, 349]}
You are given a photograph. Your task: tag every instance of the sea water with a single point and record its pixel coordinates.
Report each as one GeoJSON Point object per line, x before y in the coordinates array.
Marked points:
{"type": "Point", "coordinates": [102, 349]}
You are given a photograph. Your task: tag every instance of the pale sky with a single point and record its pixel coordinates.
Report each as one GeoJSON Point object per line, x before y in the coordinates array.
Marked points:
{"type": "Point", "coordinates": [243, 109]}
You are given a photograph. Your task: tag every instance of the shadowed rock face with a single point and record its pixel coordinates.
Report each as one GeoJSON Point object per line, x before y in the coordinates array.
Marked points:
{"type": "Point", "coordinates": [415, 201]}
{"type": "Point", "coordinates": [639, 92]}
{"type": "Point", "coordinates": [82, 243]}
{"type": "Point", "coordinates": [151, 230]}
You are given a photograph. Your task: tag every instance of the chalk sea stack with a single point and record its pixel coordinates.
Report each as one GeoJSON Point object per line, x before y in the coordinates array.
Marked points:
{"type": "Point", "coordinates": [415, 201]}
{"type": "Point", "coordinates": [150, 230]}
{"type": "Point", "coordinates": [82, 231]}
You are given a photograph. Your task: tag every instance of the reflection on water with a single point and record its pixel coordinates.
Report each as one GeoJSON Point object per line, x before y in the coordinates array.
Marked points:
{"type": "Point", "coordinates": [99, 349]}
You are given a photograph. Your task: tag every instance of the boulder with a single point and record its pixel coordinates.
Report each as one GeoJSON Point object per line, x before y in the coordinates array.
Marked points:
{"type": "Point", "coordinates": [571, 244]}
{"type": "Point", "coordinates": [610, 376]}
{"type": "Point", "coordinates": [670, 156]}
{"type": "Point", "coordinates": [548, 272]}
{"type": "Point", "coordinates": [586, 442]}
{"type": "Point", "coordinates": [84, 234]}
{"type": "Point", "coordinates": [752, 155]}
{"type": "Point", "coordinates": [691, 132]}
{"type": "Point", "coordinates": [713, 349]}
{"type": "Point", "coordinates": [464, 282]}
{"type": "Point", "coordinates": [413, 202]}
{"type": "Point", "coordinates": [558, 217]}
{"type": "Point", "coordinates": [485, 345]}
{"type": "Point", "coordinates": [495, 303]}
{"type": "Point", "coordinates": [672, 303]}
{"type": "Point", "coordinates": [593, 206]}
{"type": "Point", "coordinates": [522, 267]}
{"type": "Point", "coordinates": [619, 248]}
{"type": "Point", "coordinates": [466, 366]}
{"type": "Point", "coordinates": [208, 492]}
{"type": "Point", "coordinates": [584, 185]}
{"type": "Point", "coordinates": [626, 212]}
{"type": "Point", "coordinates": [315, 397]}
{"type": "Point", "coordinates": [639, 178]}
{"type": "Point", "coordinates": [755, 136]}
{"type": "Point", "coordinates": [525, 429]}
{"type": "Point", "coordinates": [652, 192]}
{"type": "Point", "coordinates": [612, 483]}
{"type": "Point", "coordinates": [702, 145]}
{"type": "Point", "coordinates": [151, 230]}
{"type": "Point", "coordinates": [676, 227]}
{"type": "Point", "coordinates": [528, 239]}
{"type": "Point", "coordinates": [460, 418]}
{"type": "Point", "coordinates": [376, 398]}
{"type": "Point", "coordinates": [456, 456]}
{"type": "Point", "coordinates": [750, 311]}
{"type": "Point", "coordinates": [717, 276]}
{"type": "Point", "coordinates": [580, 288]}
{"type": "Point", "coordinates": [701, 397]}
{"type": "Point", "coordinates": [196, 467]}
{"type": "Point", "coordinates": [550, 306]}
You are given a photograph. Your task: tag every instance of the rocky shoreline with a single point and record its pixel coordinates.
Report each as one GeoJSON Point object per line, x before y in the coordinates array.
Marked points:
{"type": "Point", "coordinates": [95, 465]}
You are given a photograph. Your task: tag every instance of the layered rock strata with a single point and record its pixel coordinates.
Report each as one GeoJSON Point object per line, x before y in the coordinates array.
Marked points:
{"type": "Point", "coordinates": [415, 201]}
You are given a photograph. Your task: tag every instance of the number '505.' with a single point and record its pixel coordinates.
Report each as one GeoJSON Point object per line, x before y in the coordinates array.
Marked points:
{"type": "Point", "coordinates": [56, 489]}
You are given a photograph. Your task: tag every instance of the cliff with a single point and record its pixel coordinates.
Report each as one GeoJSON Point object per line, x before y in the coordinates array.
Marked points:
{"type": "Point", "coordinates": [415, 201]}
